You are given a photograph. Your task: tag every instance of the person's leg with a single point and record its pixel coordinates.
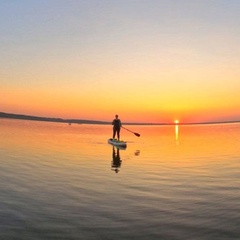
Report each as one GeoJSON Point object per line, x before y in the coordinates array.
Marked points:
{"type": "Point", "coordinates": [114, 133]}
{"type": "Point", "coordinates": [118, 134]}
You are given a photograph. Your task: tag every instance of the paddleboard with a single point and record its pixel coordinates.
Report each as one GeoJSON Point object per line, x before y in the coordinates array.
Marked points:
{"type": "Point", "coordinates": [117, 143]}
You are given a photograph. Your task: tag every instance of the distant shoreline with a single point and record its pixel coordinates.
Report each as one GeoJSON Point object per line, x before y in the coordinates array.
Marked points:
{"type": "Point", "coordinates": [47, 119]}
{"type": "Point", "coordinates": [83, 121]}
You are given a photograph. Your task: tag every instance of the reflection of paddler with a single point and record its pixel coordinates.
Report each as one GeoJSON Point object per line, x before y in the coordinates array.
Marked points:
{"type": "Point", "coordinates": [116, 161]}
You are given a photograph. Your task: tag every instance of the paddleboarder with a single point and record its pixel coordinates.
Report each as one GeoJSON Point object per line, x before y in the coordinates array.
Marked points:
{"type": "Point", "coordinates": [116, 127]}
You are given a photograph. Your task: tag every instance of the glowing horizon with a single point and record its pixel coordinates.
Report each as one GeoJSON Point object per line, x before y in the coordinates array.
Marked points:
{"type": "Point", "coordinates": [148, 62]}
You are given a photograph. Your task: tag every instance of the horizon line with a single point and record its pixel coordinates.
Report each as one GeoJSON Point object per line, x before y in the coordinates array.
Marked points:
{"type": "Point", "coordinates": [87, 121]}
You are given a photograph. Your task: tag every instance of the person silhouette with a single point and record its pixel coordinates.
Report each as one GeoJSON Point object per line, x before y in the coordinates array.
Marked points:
{"type": "Point", "coordinates": [116, 127]}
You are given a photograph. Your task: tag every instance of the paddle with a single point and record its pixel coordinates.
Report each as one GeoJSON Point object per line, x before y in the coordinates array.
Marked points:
{"type": "Point", "coordinates": [137, 134]}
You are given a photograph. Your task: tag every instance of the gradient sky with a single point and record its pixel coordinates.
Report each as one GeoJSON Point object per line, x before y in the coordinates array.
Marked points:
{"type": "Point", "coordinates": [146, 60]}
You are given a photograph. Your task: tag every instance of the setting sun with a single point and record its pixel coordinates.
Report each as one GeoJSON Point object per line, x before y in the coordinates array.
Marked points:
{"type": "Point", "coordinates": [176, 121]}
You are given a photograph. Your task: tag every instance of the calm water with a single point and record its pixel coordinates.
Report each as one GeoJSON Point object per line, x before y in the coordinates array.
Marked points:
{"type": "Point", "coordinates": [60, 181]}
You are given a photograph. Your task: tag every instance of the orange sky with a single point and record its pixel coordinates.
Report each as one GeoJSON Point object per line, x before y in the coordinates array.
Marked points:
{"type": "Point", "coordinates": [151, 61]}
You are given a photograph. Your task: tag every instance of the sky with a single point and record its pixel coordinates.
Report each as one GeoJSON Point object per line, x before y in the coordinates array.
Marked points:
{"type": "Point", "coordinates": [146, 60]}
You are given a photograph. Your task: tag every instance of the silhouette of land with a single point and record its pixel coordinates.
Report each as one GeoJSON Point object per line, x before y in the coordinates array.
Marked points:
{"type": "Point", "coordinates": [83, 121]}
{"type": "Point", "coordinates": [47, 119]}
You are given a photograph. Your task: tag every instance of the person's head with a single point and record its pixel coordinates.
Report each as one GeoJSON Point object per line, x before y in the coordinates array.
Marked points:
{"type": "Point", "coordinates": [116, 116]}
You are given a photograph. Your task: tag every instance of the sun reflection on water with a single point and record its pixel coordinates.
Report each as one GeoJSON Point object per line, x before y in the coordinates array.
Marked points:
{"type": "Point", "coordinates": [177, 134]}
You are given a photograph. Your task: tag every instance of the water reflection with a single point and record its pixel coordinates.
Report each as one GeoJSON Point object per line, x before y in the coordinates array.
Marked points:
{"type": "Point", "coordinates": [116, 160]}
{"type": "Point", "coordinates": [39, 161]}
{"type": "Point", "coordinates": [177, 133]}
{"type": "Point", "coordinates": [137, 153]}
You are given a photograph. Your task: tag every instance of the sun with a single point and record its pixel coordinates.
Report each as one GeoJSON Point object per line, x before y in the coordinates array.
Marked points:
{"type": "Point", "coordinates": [176, 121]}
